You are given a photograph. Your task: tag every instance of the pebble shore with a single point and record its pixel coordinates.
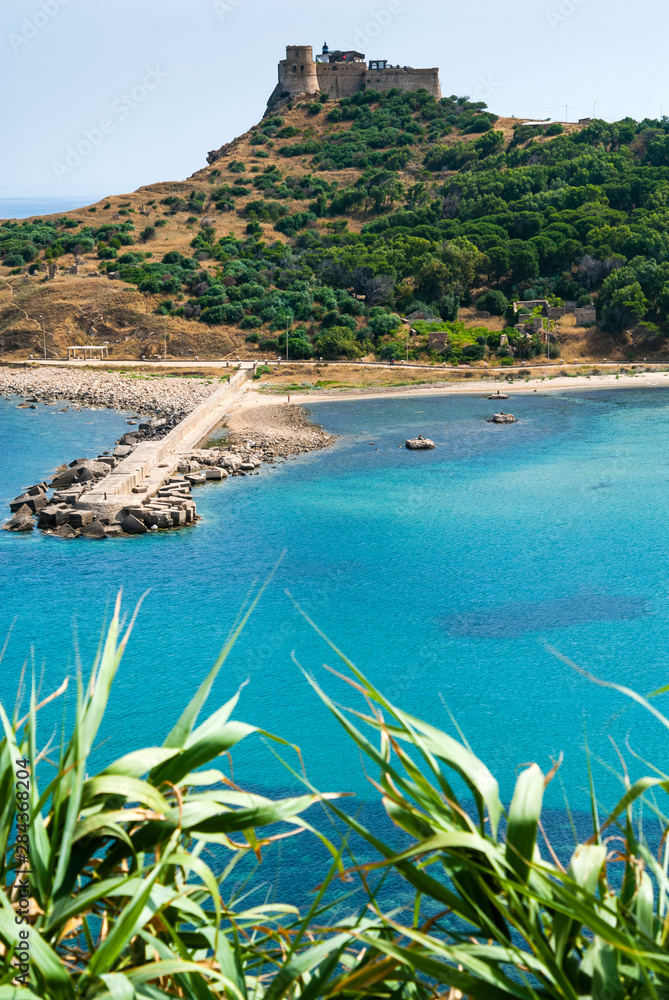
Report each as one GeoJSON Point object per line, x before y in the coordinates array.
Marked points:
{"type": "Point", "coordinates": [169, 397]}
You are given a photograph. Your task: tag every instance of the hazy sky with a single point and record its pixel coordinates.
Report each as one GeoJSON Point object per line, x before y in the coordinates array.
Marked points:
{"type": "Point", "coordinates": [172, 79]}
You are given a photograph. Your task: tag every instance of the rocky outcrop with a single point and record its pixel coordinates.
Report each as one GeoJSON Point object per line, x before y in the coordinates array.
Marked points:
{"type": "Point", "coordinates": [498, 395]}
{"type": "Point", "coordinates": [502, 418]}
{"type": "Point", "coordinates": [420, 444]}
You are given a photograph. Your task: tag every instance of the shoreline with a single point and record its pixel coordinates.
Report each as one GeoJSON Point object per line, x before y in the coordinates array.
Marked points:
{"type": "Point", "coordinates": [474, 387]}
{"type": "Point", "coordinates": [169, 397]}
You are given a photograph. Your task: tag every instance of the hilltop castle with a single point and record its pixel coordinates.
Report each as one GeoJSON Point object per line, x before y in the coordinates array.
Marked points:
{"type": "Point", "coordinates": [342, 74]}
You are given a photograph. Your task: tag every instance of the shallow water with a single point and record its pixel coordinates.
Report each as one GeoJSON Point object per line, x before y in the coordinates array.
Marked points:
{"type": "Point", "coordinates": [445, 575]}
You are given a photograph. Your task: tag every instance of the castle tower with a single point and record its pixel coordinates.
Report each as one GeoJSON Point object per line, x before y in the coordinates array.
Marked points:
{"type": "Point", "coordinates": [297, 72]}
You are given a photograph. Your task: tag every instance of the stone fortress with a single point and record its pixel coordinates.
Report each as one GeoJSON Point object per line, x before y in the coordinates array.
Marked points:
{"type": "Point", "coordinates": [343, 74]}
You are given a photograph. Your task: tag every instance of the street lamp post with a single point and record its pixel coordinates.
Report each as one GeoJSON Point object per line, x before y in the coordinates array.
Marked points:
{"type": "Point", "coordinates": [43, 336]}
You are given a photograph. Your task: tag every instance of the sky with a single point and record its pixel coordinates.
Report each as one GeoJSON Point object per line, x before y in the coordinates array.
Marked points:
{"type": "Point", "coordinates": [146, 87]}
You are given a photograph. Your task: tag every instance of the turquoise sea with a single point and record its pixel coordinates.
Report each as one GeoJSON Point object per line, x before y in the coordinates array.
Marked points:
{"type": "Point", "coordinates": [444, 575]}
{"type": "Point", "coordinates": [26, 207]}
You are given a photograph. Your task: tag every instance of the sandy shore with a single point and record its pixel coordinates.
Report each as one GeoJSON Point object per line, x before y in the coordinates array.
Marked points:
{"type": "Point", "coordinates": [472, 386]}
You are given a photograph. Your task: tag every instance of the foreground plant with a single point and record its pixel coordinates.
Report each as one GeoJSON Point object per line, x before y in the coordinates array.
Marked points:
{"type": "Point", "coordinates": [128, 868]}
{"type": "Point", "coordinates": [499, 915]}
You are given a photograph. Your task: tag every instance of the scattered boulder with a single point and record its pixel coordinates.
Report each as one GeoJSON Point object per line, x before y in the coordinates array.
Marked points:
{"type": "Point", "coordinates": [215, 473]}
{"type": "Point", "coordinates": [498, 395]}
{"type": "Point", "coordinates": [420, 444]}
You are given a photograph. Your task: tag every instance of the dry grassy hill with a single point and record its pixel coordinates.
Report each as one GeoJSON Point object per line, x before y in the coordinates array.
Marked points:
{"type": "Point", "coordinates": [39, 314]}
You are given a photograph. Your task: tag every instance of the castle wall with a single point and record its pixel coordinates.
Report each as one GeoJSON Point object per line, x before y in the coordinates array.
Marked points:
{"type": "Point", "coordinates": [341, 79]}
{"type": "Point", "coordinates": [300, 74]}
{"type": "Point", "coordinates": [297, 72]}
{"type": "Point", "coordinates": [405, 80]}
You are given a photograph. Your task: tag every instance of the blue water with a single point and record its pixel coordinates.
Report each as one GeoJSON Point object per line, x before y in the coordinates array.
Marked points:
{"type": "Point", "coordinates": [442, 574]}
{"type": "Point", "coordinates": [25, 208]}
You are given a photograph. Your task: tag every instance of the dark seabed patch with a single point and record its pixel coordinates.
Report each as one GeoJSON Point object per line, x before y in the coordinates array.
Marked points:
{"type": "Point", "coordinates": [509, 621]}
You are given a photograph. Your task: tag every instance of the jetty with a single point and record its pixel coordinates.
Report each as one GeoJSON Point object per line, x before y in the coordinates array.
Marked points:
{"type": "Point", "coordinates": [136, 489]}
{"type": "Point", "coordinates": [150, 466]}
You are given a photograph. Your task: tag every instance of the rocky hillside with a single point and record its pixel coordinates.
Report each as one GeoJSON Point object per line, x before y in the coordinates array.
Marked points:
{"type": "Point", "coordinates": [360, 228]}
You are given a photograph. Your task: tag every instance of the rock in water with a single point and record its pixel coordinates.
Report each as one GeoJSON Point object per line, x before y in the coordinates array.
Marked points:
{"type": "Point", "coordinates": [93, 530]}
{"type": "Point", "coordinates": [498, 395]}
{"type": "Point", "coordinates": [65, 531]}
{"type": "Point", "coordinates": [502, 418]}
{"type": "Point", "coordinates": [420, 444]}
{"type": "Point", "coordinates": [133, 526]}
{"type": "Point", "coordinates": [21, 521]}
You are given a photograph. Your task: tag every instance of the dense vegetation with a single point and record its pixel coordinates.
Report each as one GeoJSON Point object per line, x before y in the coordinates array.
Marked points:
{"type": "Point", "coordinates": [451, 213]}
{"type": "Point", "coordinates": [140, 886]}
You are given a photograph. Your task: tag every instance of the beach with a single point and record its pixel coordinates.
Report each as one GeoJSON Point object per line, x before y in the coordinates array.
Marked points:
{"type": "Point", "coordinates": [551, 383]}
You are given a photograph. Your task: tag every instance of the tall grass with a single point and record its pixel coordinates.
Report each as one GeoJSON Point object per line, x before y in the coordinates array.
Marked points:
{"type": "Point", "coordinates": [133, 895]}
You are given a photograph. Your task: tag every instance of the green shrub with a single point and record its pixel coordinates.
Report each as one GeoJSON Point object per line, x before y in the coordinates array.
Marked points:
{"type": "Point", "coordinates": [494, 302]}
{"type": "Point", "coordinates": [472, 352]}
{"type": "Point", "coordinates": [384, 323]}
{"type": "Point", "coordinates": [338, 342]}
{"type": "Point", "coordinates": [14, 260]}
